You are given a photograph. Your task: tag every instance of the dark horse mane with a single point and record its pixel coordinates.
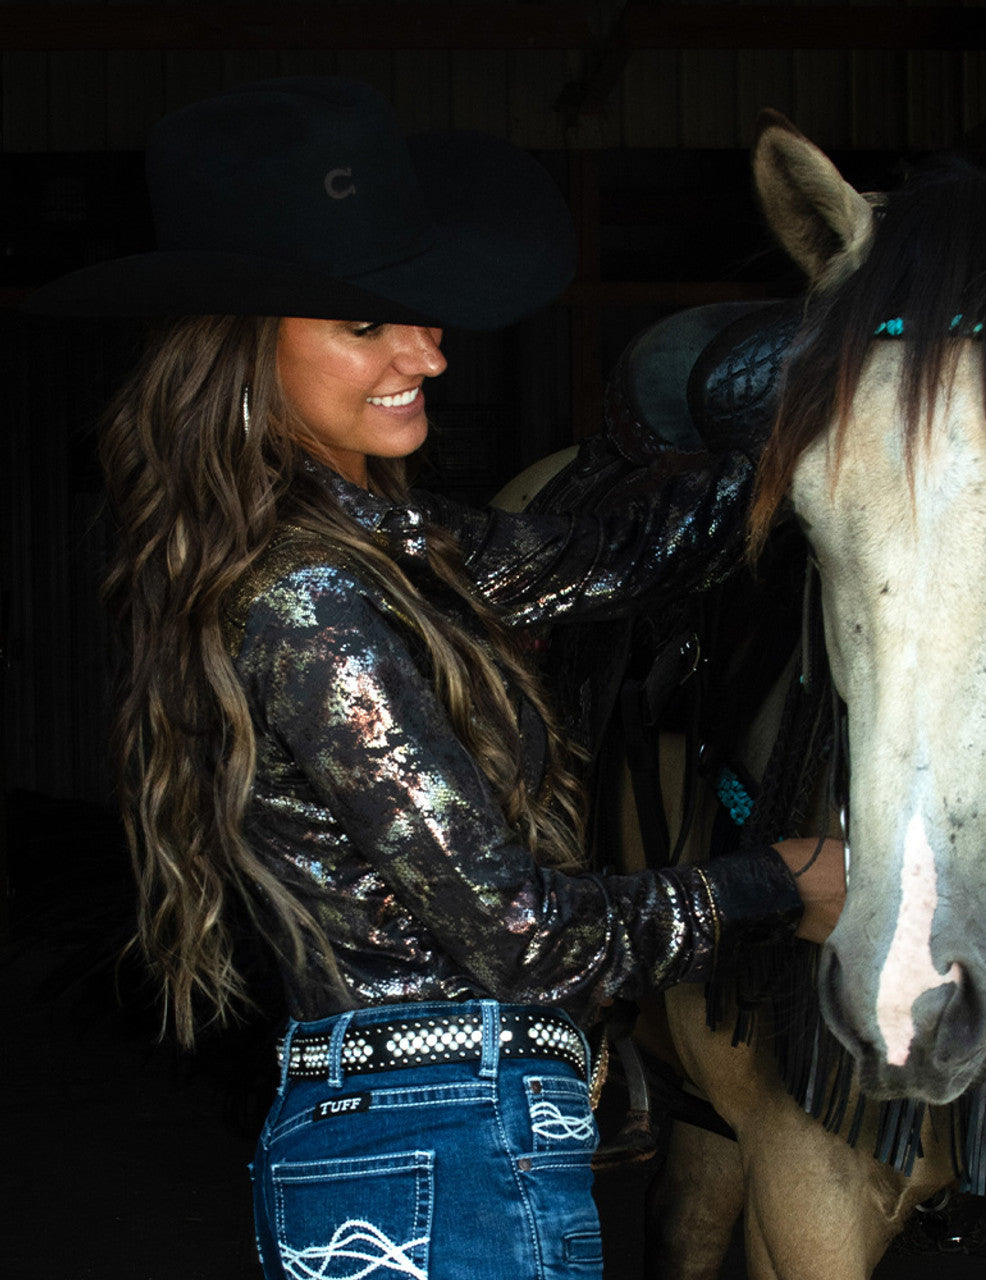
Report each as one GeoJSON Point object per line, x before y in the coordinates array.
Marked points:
{"type": "Point", "coordinates": [927, 265]}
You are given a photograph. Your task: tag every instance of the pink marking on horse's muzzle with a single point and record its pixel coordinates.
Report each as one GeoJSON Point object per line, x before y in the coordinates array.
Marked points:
{"type": "Point", "coordinates": [909, 971]}
{"type": "Point", "coordinates": [946, 1049]}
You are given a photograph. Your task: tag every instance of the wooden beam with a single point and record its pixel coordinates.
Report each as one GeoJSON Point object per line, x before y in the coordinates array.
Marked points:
{"type": "Point", "coordinates": [420, 25]}
{"type": "Point", "coordinates": [591, 294]}
{"type": "Point", "coordinates": [586, 332]}
{"type": "Point", "coordinates": [761, 26]}
{"type": "Point", "coordinates": [584, 293]}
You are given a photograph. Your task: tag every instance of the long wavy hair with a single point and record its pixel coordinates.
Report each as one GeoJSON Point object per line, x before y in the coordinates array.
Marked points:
{"type": "Point", "coordinates": [926, 267]}
{"type": "Point", "coordinates": [196, 500]}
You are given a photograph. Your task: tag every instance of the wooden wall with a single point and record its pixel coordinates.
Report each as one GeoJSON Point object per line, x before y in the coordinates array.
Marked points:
{"type": "Point", "coordinates": [887, 73]}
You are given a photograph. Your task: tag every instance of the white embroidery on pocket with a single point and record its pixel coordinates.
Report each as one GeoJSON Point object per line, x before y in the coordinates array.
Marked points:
{"type": "Point", "coordinates": [366, 1245]}
{"type": "Point", "coordinates": [548, 1122]}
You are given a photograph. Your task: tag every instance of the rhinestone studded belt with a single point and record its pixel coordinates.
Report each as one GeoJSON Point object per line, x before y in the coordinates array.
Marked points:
{"type": "Point", "coordinates": [417, 1042]}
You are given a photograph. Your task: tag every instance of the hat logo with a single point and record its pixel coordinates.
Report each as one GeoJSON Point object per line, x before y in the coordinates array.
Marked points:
{"type": "Point", "coordinates": [337, 186]}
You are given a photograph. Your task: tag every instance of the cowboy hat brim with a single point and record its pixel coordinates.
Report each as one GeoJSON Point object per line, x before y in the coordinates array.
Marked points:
{"type": "Point", "coordinates": [200, 282]}
{"type": "Point", "coordinates": [503, 246]}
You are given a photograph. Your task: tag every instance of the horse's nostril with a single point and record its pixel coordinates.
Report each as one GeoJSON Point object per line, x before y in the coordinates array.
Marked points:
{"type": "Point", "coordinates": [960, 1015]}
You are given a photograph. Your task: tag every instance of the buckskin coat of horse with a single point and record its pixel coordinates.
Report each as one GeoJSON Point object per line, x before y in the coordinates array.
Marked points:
{"type": "Point", "coordinates": [879, 446]}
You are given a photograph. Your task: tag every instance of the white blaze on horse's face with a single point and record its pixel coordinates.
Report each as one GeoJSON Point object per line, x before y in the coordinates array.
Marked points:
{"type": "Point", "coordinates": [902, 555]}
{"type": "Point", "coordinates": [909, 970]}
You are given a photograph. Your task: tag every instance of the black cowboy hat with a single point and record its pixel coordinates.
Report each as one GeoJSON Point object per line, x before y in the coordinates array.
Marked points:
{"type": "Point", "coordinates": [300, 196]}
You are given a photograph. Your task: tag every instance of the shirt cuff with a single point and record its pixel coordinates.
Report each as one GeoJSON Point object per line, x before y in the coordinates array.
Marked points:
{"type": "Point", "coordinates": [740, 900]}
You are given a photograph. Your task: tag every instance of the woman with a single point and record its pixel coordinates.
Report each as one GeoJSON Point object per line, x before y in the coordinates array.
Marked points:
{"type": "Point", "coordinates": [324, 716]}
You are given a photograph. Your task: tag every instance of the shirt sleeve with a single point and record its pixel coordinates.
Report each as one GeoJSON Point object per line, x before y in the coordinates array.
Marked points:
{"type": "Point", "coordinates": [340, 690]}
{"type": "Point", "coordinates": [659, 537]}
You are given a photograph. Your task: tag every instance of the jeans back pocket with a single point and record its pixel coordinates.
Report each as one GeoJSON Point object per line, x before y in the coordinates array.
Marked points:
{"type": "Point", "coordinates": [369, 1216]}
{"type": "Point", "coordinates": [560, 1115]}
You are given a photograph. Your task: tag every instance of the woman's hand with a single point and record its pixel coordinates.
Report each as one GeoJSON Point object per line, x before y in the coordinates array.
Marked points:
{"type": "Point", "coordinates": [819, 870]}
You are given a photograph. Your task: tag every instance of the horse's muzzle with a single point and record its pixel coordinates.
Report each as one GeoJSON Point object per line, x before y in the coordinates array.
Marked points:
{"type": "Point", "coordinates": [945, 1053]}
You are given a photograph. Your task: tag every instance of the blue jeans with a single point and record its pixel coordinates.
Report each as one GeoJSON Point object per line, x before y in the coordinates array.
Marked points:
{"type": "Point", "coordinates": [477, 1170]}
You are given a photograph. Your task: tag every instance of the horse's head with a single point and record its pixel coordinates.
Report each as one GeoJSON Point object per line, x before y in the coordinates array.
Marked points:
{"type": "Point", "coordinates": [880, 444]}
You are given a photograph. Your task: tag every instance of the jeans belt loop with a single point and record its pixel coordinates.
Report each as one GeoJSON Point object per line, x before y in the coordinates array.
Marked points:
{"type": "Point", "coordinates": [291, 1028]}
{"type": "Point", "coordinates": [491, 1039]}
{"type": "Point", "coordinates": [336, 1074]}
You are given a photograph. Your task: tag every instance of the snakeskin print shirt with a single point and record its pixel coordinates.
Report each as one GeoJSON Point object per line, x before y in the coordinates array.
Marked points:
{"type": "Point", "coordinates": [368, 808]}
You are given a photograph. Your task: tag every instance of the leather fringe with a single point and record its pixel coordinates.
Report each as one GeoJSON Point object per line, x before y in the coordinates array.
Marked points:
{"type": "Point", "coordinates": [776, 997]}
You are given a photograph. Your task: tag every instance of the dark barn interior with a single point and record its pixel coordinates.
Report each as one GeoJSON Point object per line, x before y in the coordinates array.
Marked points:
{"type": "Point", "coordinates": [127, 1161]}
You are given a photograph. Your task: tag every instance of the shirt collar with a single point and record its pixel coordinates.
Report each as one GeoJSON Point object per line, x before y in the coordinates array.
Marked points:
{"type": "Point", "coordinates": [401, 523]}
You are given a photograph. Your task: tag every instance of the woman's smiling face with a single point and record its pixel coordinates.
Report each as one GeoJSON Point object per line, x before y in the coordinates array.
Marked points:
{"type": "Point", "coordinates": [356, 388]}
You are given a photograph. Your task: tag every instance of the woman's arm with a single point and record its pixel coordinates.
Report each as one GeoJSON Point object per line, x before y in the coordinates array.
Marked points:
{"type": "Point", "coordinates": [659, 537]}
{"type": "Point", "coordinates": [374, 744]}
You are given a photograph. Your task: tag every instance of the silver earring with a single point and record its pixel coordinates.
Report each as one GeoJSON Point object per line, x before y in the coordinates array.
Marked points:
{"type": "Point", "coordinates": [246, 408]}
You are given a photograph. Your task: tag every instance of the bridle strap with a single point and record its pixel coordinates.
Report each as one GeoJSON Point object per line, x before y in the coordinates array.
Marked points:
{"type": "Point", "coordinates": [642, 702]}
{"type": "Point", "coordinates": [839, 769]}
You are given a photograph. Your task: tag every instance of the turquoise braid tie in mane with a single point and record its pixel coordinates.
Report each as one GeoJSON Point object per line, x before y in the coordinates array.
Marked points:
{"type": "Point", "coordinates": [895, 328]}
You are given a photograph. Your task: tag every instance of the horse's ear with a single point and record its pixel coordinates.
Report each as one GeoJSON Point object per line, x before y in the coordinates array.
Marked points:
{"type": "Point", "coordinates": [822, 222]}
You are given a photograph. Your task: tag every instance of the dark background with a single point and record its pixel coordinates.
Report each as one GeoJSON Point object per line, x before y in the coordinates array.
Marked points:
{"type": "Point", "coordinates": [128, 1160]}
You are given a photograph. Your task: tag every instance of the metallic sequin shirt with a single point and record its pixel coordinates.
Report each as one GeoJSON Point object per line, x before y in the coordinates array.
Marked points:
{"type": "Point", "coordinates": [373, 814]}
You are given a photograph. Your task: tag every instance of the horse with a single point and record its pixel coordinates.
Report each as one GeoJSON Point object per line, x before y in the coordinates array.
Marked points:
{"type": "Point", "coordinates": [887, 475]}
{"type": "Point", "coordinates": [878, 453]}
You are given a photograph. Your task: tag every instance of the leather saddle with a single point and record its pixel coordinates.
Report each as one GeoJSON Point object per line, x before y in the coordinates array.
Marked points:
{"type": "Point", "coordinates": [702, 381]}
